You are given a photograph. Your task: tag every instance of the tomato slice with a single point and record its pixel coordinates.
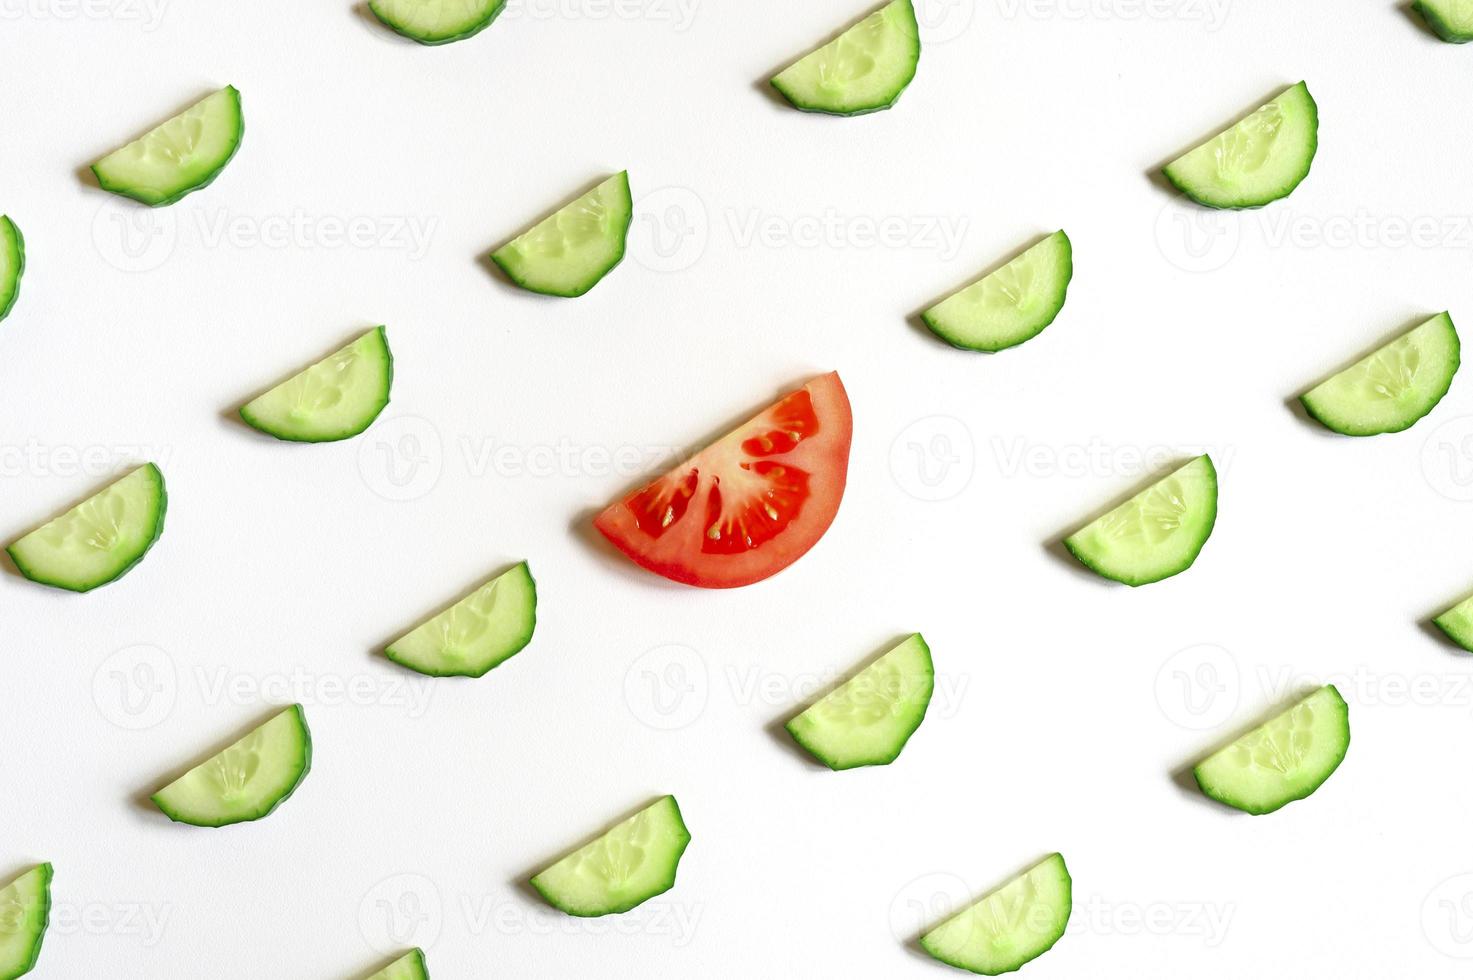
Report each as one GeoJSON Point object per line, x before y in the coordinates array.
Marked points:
{"type": "Point", "coordinates": [748, 505]}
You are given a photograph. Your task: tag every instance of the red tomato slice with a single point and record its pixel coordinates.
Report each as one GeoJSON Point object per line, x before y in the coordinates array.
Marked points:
{"type": "Point", "coordinates": [748, 505]}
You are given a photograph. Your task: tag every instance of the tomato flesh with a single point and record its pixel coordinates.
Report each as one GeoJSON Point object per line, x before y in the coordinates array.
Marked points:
{"type": "Point", "coordinates": [748, 505]}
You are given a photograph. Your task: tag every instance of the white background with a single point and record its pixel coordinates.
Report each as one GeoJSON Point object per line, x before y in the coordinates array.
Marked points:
{"type": "Point", "coordinates": [1064, 703]}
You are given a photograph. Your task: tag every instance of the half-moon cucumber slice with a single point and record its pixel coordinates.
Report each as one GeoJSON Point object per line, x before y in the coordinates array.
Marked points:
{"type": "Point", "coordinates": [178, 156]}
{"type": "Point", "coordinates": [862, 70]}
{"type": "Point", "coordinates": [568, 252]}
{"type": "Point", "coordinates": [410, 966]}
{"type": "Point", "coordinates": [436, 21]}
{"type": "Point", "coordinates": [867, 720]}
{"type": "Point", "coordinates": [336, 398]}
{"type": "Point", "coordinates": [1157, 533]}
{"type": "Point", "coordinates": [479, 632]}
{"type": "Point", "coordinates": [100, 539]}
{"type": "Point", "coordinates": [1390, 389]}
{"type": "Point", "coordinates": [247, 780]}
{"type": "Point", "coordinates": [1016, 923]}
{"type": "Point", "coordinates": [25, 912]}
{"type": "Point", "coordinates": [1285, 759]}
{"type": "Point", "coordinates": [1258, 160]}
{"type": "Point", "coordinates": [1457, 623]}
{"type": "Point", "coordinates": [12, 263]}
{"type": "Point", "coordinates": [1451, 20]}
{"type": "Point", "coordinates": [628, 865]}
{"type": "Point", "coordinates": [1010, 305]}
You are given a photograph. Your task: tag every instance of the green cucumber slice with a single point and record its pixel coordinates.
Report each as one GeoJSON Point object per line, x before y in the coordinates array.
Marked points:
{"type": "Point", "coordinates": [568, 252]}
{"type": "Point", "coordinates": [1285, 759]}
{"type": "Point", "coordinates": [1009, 927]}
{"type": "Point", "coordinates": [100, 539]}
{"type": "Point", "coordinates": [1457, 623]}
{"type": "Point", "coordinates": [1451, 20]}
{"type": "Point", "coordinates": [436, 21]}
{"type": "Point", "coordinates": [12, 263]}
{"type": "Point", "coordinates": [479, 632]}
{"type": "Point", "coordinates": [1393, 387]}
{"type": "Point", "coordinates": [410, 966]}
{"type": "Point", "coordinates": [630, 864]}
{"type": "Point", "coordinates": [179, 156]}
{"type": "Point", "coordinates": [1012, 304]}
{"type": "Point", "coordinates": [862, 70]}
{"type": "Point", "coordinates": [247, 780]}
{"type": "Point", "coordinates": [1157, 533]}
{"type": "Point", "coordinates": [1258, 160]}
{"type": "Point", "coordinates": [336, 398]}
{"type": "Point", "coordinates": [25, 911]}
{"type": "Point", "coordinates": [867, 720]}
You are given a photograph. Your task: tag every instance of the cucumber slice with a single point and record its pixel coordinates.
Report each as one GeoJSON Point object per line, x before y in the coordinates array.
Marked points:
{"type": "Point", "coordinates": [336, 398]}
{"type": "Point", "coordinates": [1457, 623]}
{"type": "Point", "coordinates": [868, 720]}
{"type": "Point", "coordinates": [1157, 533]}
{"type": "Point", "coordinates": [100, 539]}
{"type": "Point", "coordinates": [247, 780]}
{"type": "Point", "coordinates": [862, 70]}
{"type": "Point", "coordinates": [179, 156]}
{"type": "Point", "coordinates": [479, 632]}
{"type": "Point", "coordinates": [1285, 759]}
{"type": "Point", "coordinates": [628, 865]}
{"type": "Point", "coordinates": [1010, 305]}
{"type": "Point", "coordinates": [568, 252]}
{"type": "Point", "coordinates": [1451, 20]}
{"type": "Point", "coordinates": [1016, 923]}
{"type": "Point", "coordinates": [1258, 160]}
{"type": "Point", "coordinates": [25, 911]}
{"type": "Point", "coordinates": [12, 263]}
{"type": "Point", "coordinates": [436, 21]}
{"type": "Point", "coordinates": [1390, 389]}
{"type": "Point", "coordinates": [410, 966]}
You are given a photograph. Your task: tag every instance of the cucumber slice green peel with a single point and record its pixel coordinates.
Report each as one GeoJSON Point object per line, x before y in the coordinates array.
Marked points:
{"type": "Point", "coordinates": [569, 251]}
{"type": "Point", "coordinates": [179, 156]}
{"type": "Point", "coordinates": [410, 966]}
{"type": "Point", "coordinates": [245, 781]}
{"type": "Point", "coordinates": [1451, 20]}
{"type": "Point", "coordinates": [436, 21]}
{"type": "Point", "coordinates": [25, 912]}
{"type": "Point", "coordinates": [12, 263]}
{"type": "Point", "coordinates": [1157, 533]}
{"type": "Point", "coordinates": [100, 539]}
{"type": "Point", "coordinates": [1010, 305]}
{"type": "Point", "coordinates": [862, 70]}
{"type": "Point", "coordinates": [1393, 387]}
{"type": "Point", "coordinates": [1285, 759]}
{"type": "Point", "coordinates": [1457, 623]}
{"type": "Point", "coordinates": [1009, 927]}
{"type": "Point", "coordinates": [1256, 161]}
{"type": "Point", "coordinates": [476, 634]}
{"type": "Point", "coordinates": [630, 864]}
{"type": "Point", "coordinates": [336, 398]}
{"type": "Point", "coordinates": [867, 720]}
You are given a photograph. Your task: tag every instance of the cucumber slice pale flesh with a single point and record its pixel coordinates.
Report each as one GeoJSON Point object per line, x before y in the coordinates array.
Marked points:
{"type": "Point", "coordinates": [630, 864]}
{"type": "Point", "coordinates": [247, 780]}
{"type": "Point", "coordinates": [868, 719]}
{"type": "Point", "coordinates": [436, 21]}
{"type": "Point", "coordinates": [1010, 305]}
{"type": "Point", "coordinates": [862, 70]}
{"type": "Point", "coordinates": [1390, 389]}
{"type": "Point", "coordinates": [25, 911]}
{"type": "Point", "coordinates": [1009, 927]}
{"type": "Point", "coordinates": [1451, 20]}
{"type": "Point", "coordinates": [178, 156]}
{"type": "Point", "coordinates": [1259, 159]}
{"type": "Point", "coordinates": [1157, 533]}
{"type": "Point", "coordinates": [12, 263]}
{"type": "Point", "coordinates": [568, 252]}
{"type": "Point", "coordinates": [100, 539]}
{"type": "Point", "coordinates": [410, 966]}
{"type": "Point", "coordinates": [1457, 623]}
{"type": "Point", "coordinates": [336, 398]}
{"type": "Point", "coordinates": [479, 632]}
{"type": "Point", "coordinates": [1285, 759]}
